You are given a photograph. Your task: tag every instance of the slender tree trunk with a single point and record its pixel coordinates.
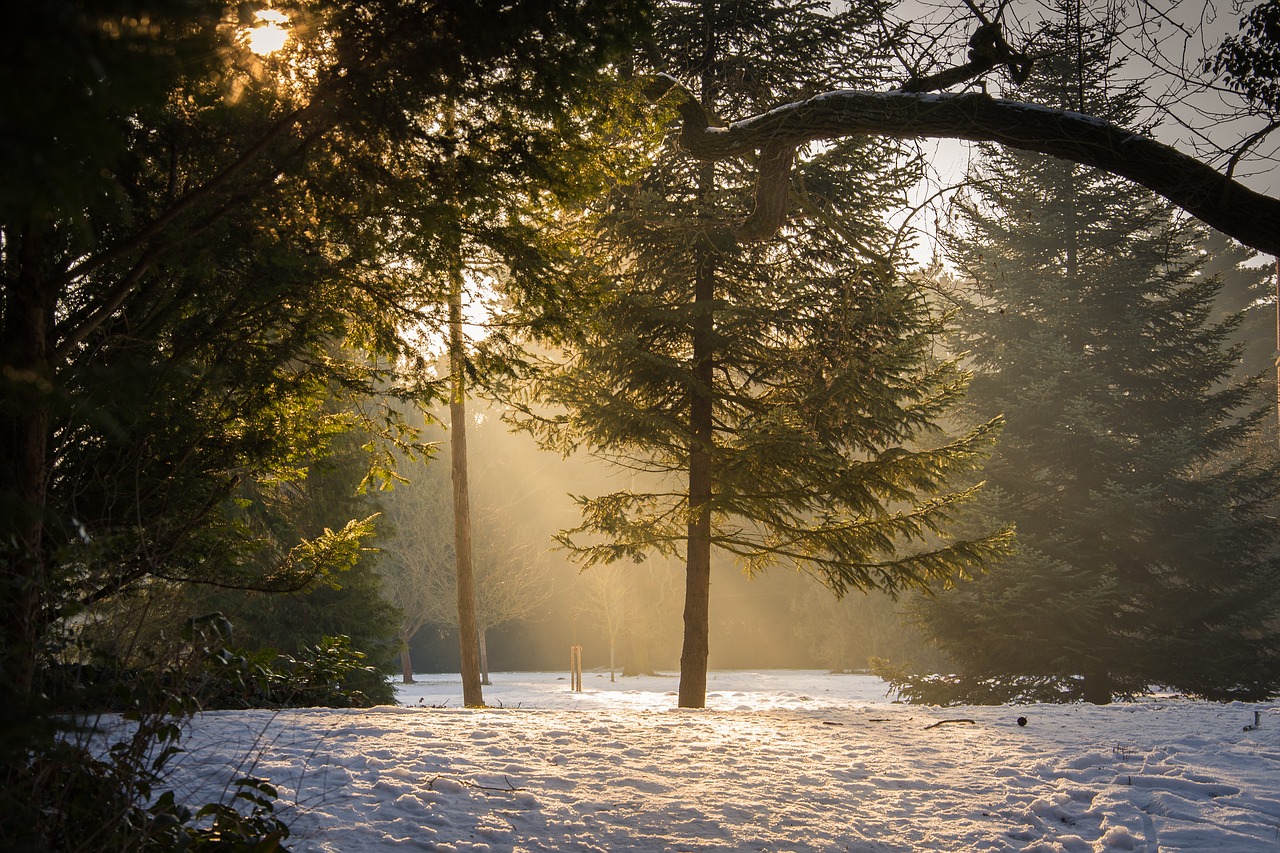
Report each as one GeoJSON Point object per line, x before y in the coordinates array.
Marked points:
{"type": "Point", "coordinates": [406, 663]}
{"type": "Point", "coordinates": [484, 657]}
{"type": "Point", "coordinates": [24, 452]}
{"type": "Point", "coordinates": [697, 589]}
{"type": "Point", "coordinates": [468, 632]}
{"type": "Point", "coordinates": [1278, 348]}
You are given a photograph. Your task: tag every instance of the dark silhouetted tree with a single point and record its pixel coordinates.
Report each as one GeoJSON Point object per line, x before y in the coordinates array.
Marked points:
{"type": "Point", "coordinates": [1147, 554]}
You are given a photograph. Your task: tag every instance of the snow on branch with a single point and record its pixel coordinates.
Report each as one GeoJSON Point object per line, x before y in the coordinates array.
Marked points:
{"type": "Point", "coordinates": [1199, 189]}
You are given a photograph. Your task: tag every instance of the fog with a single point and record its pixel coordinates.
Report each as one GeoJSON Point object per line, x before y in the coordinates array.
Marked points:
{"type": "Point", "coordinates": [522, 497]}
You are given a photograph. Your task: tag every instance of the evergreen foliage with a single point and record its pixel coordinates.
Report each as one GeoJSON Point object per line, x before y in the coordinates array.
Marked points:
{"type": "Point", "coordinates": [780, 395]}
{"type": "Point", "coordinates": [203, 293]}
{"type": "Point", "coordinates": [339, 590]}
{"type": "Point", "coordinates": [1147, 550]}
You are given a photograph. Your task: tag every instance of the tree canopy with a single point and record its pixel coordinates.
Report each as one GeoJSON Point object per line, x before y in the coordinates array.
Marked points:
{"type": "Point", "coordinates": [1147, 553]}
{"type": "Point", "coordinates": [199, 248]}
{"type": "Point", "coordinates": [921, 108]}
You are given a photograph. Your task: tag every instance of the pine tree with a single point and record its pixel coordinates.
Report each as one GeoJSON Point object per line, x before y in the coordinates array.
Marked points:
{"type": "Point", "coordinates": [775, 396]}
{"type": "Point", "coordinates": [1146, 554]}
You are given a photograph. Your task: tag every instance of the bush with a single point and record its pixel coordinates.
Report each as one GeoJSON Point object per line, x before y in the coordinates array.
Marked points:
{"type": "Point", "coordinates": [330, 674]}
{"type": "Point", "coordinates": [934, 689]}
{"type": "Point", "coordinates": [64, 790]}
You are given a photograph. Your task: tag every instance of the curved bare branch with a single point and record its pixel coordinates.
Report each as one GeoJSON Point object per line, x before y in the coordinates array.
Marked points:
{"type": "Point", "coordinates": [1199, 189]}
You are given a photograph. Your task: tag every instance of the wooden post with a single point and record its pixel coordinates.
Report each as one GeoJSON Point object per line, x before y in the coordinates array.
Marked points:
{"type": "Point", "coordinates": [575, 669]}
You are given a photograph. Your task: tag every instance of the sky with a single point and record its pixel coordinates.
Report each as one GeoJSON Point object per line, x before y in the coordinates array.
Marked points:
{"type": "Point", "coordinates": [1163, 45]}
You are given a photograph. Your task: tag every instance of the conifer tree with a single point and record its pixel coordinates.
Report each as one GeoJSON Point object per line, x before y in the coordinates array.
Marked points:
{"type": "Point", "coordinates": [775, 396]}
{"type": "Point", "coordinates": [1145, 551]}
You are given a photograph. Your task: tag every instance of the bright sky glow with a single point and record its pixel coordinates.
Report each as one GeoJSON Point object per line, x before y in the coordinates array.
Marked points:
{"type": "Point", "coordinates": [270, 34]}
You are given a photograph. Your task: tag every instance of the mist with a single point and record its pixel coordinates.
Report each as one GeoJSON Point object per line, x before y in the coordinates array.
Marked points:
{"type": "Point", "coordinates": [627, 616]}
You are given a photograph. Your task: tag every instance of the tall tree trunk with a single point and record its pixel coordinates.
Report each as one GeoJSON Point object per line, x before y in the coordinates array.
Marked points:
{"type": "Point", "coordinates": [697, 591]}
{"type": "Point", "coordinates": [697, 588]}
{"type": "Point", "coordinates": [468, 633]}
{"type": "Point", "coordinates": [24, 449]}
{"type": "Point", "coordinates": [406, 662]}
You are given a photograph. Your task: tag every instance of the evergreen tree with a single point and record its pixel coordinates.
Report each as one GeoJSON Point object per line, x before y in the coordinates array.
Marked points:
{"type": "Point", "coordinates": [1146, 551]}
{"type": "Point", "coordinates": [773, 395]}
{"type": "Point", "coordinates": [198, 250]}
{"type": "Point", "coordinates": [339, 595]}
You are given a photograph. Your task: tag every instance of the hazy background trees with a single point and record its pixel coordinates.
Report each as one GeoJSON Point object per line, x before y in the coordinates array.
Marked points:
{"type": "Point", "coordinates": [512, 582]}
{"type": "Point", "coordinates": [1147, 547]}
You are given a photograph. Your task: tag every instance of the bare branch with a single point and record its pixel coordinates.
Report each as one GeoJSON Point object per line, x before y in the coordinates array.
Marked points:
{"type": "Point", "coordinates": [1208, 195]}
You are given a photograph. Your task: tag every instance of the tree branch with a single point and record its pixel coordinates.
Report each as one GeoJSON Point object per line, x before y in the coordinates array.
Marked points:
{"type": "Point", "coordinates": [1197, 188]}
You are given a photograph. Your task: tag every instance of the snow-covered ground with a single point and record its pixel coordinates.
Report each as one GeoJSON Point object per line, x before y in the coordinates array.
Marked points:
{"type": "Point", "coordinates": [778, 761]}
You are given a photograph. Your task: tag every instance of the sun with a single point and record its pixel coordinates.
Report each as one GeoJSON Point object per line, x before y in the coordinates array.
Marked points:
{"type": "Point", "coordinates": [269, 35]}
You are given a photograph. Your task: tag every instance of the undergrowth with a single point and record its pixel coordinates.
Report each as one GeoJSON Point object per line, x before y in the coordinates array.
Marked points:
{"type": "Point", "coordinates": [84, 760]}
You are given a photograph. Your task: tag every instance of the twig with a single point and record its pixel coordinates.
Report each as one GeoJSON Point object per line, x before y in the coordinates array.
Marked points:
{"type": "Point", "coordinates": [944, 722]}
{"type": "Point", "coordinates": [510, 789]}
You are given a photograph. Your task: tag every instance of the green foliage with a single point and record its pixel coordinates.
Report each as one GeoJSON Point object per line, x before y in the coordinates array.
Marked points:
{"type": "Point", "coordinates": [816, 362]}
{"type": "Point", "coordinates": [1148, 549]}
{"type": "Point", "coordinates": [330, 674]}
{"type": "Point", "coordinates": [90, 804]}
{"type": "Point", "coordinates": [68, 790]}
{"type": "Point", "coordinates": [933, 689]}
{"type": "Point", "coordinates": [1250, 61]}
{"type": "Point", "coordinates": [336, 585]}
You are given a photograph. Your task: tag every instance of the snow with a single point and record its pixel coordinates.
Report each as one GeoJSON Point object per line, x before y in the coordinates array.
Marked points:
{"type": "Point", "coordinates": [792, 761]}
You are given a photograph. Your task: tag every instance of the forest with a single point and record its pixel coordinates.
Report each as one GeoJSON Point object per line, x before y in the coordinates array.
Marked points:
{"type": "Point", "coordinates": [937, 339]}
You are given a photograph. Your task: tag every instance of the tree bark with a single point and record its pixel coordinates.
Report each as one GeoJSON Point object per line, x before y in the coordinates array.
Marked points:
{"type": "Point", "coordinates": [28, 313]}
{"type": "Point", "coordinates": [468, 629]}
{"type": "Point", "coordinates": [406, 663]}
{"type": "Point", "coordinates": [484, 657]}
{"type": "Point", "coordinates": [1197, 188]}
{"type": "Point", "coordinates": [697, 594]}
{"type": "Point", "coordinates": [697, 589]}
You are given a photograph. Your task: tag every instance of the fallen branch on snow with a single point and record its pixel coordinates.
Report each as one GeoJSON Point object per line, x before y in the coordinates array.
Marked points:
{"type": "Point", "coordinates": [509, 789]}
{"type": "Point", "coordinates": [944, 722]}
